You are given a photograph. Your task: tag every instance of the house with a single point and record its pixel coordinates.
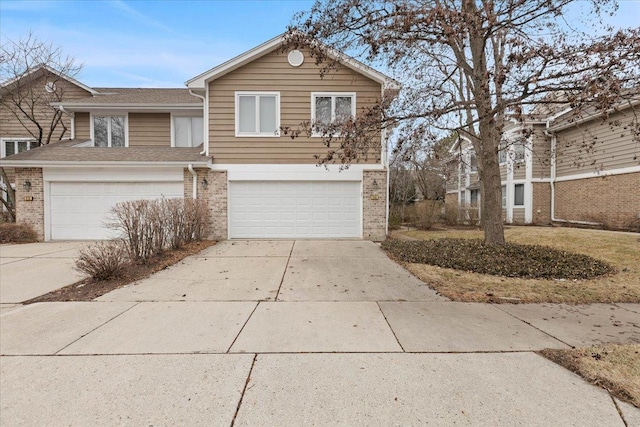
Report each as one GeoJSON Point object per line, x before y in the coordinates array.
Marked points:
{"type": "Point", "coordinates": [576, 166]}
{"type": "Point", "coordinates": [218, 139]}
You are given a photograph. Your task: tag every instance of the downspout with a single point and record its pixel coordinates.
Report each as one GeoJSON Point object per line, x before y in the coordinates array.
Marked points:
{"type": "Point", "coordinates": [554, 142]}
{"type": "Point", "coordinates": [386, 165]}
{"type": "Point", "coordinates": [205, 132]}
{"type": "Point", "coordinates": [73, 122]}
{"type": "Point", "coordinates": [195, 180]}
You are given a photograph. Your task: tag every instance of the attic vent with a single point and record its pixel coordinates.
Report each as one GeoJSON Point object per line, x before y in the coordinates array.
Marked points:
{"type": "Point", "coordinates": [50, 87]}
{"type": "Point", "coordinates": [295, 58]}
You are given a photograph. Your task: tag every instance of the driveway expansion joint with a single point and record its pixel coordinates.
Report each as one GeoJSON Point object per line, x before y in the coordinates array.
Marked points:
{"type": "Point", "coordinates": [533, 326]}
{"type": "Point", "coordinates": [285, 270]}
{"type": "Point", "coordinates": [96, 328]}
{"type": "Point", "coordinates": [244, 389]}
{"type": "Point", "coordinates": [242, 329]}
{"type": "Point", "coordinates": [389, 324]}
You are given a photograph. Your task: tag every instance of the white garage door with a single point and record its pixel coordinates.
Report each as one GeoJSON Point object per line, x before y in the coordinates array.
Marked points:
{"type": "Point", "coordinates": [294, 209]}
{"type": "Point", "coordinates": [78, 210]}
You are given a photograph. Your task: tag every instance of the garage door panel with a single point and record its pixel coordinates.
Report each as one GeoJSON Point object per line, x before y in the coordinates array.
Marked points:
{"type": "Point", "coordinates": [294, 209]}
{"type": "Point", "coordinates": [81, 210]}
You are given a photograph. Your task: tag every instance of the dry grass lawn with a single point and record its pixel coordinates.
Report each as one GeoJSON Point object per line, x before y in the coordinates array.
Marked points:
{"type": "Point", "coordinates": [622, 250]}
{"type": "Point", "coordinates": [614, 367]}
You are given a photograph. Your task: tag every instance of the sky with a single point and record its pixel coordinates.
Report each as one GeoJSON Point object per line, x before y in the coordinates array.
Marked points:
{"type": "Point", "coordinates": [139, 43]}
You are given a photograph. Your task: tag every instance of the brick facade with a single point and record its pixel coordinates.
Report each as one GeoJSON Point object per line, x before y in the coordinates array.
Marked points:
{"type": "Point", "coordinates": [374, 205]}
{"type": "Point", "coordinates": [617, 204]}
{"type": "Point", "coordinates": [541, 203]}
{"type": "Point", "coordinates": [451, 199]}
{"type": "Point", "coordinates": [215, 193]}
{"type": "Point", "coordinates": [30, 202]}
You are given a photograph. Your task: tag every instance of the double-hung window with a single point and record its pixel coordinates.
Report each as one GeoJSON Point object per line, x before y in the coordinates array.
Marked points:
{"type": "Point", "coordinates": [188, 131]}
{"type": "Point", "coordinates": [258, 114]}
{"type": "Point", "coordinates": [504, 197]}
{"type": "Point", "coordinates": [328, 108]}
{"type": "Point", "coordinates": [109, 131]}
{"type": "Point", "coordinates": [502, 153]}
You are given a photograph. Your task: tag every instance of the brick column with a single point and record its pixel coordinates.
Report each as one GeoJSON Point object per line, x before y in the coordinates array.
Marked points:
{"type": "Point", "coordinates": [374, 204]}
{"type": "Point", "coordinates": [30, 202]}
{"type": "Point", "coordinates": [215, 193]}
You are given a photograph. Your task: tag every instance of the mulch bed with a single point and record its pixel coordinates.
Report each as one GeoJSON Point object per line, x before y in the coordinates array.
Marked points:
{"type": "Point", "coordinates": [88, 289]}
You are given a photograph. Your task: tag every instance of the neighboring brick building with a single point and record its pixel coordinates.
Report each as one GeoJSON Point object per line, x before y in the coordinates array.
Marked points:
{"type": "Point", "coordinates": [573, 167]}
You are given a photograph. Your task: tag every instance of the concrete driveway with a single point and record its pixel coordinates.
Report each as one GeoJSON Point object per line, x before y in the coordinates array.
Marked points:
{"type": "Point", "coordinates": [33, 269]}
{"type": "Point", "coordinates": [300, 333]}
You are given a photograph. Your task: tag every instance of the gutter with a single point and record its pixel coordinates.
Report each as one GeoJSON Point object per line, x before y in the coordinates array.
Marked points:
{"type": "Point", "coordinates": [552, 181]}
{"type": "Point", "coordinates": [84, 164]}
{"type": "Point", "coordinates": [195, 180]}
{"type": "Point", "coordinates": [205, 115]}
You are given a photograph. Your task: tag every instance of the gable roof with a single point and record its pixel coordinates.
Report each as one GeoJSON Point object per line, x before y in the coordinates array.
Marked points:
{"type": "Point", "coordinates": [200, 81]}
{"type": "Point", "coordinates": [43, 68]}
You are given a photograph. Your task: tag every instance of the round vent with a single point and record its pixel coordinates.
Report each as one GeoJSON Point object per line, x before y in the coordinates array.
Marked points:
{"type": "Point", "coordinates": [50, 87]}
{"type": "Point", "coordinates": [295, 58]}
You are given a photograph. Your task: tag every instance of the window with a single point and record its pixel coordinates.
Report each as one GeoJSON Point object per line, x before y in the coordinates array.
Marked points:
{"type": "Point", "coordinates": [188, 131]}
{"type": "Point", "coordinates": [327, 108]}
{"type": "Point", "coordinates": [473, 163]}
{"type": "Point", "coordinates": [474, 197]}
{"type": "Point", "coordinates": [504, 196]}
{"type": "Point", "coordinates": [502, 154]}
{"type": "Point", "coordinates": [518, 197]}
{"type": "Point", "coordinates": [258, 114]}
{"type": "Point", "coordinates": [10, 147]}
{"type": "Point", "coordinates": [109, 131]}
{"type": "Point", "coordinates": [462, 197]}
{"type": "Point", "coordinates": [518, 151]}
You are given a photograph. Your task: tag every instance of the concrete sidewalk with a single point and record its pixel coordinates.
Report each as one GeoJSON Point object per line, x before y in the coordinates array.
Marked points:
{"type": "Point", "coordinates": [264, 333]}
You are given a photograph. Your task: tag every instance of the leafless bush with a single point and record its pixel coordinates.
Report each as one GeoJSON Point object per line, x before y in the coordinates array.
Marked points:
{"type": "Point", "coordinates": [103, 260]}
{"type": "Point", "coordinates": [427, 213]}
{"type": "Point", "coordinates": [10, 232]}
{"type": "Point", "coordinates": [150, 226]}
{"type": "Point", "coordinates": [451, 214]}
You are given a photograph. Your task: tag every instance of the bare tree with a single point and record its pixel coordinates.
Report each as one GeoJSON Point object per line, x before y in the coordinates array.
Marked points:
{"type": "Point", "coordinates": [33, 75]}
{"type": "Point", "coordinates": [466, 65]}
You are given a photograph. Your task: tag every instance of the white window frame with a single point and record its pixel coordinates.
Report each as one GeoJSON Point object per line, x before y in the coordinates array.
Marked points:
{"type": "Point", "coordinates": [333, 96]}
{"type": "Point", "coordinates": [503, 190]}
{"type": "Point", "coordinates": [257, 94]}
{"type": "Point", "coordinates": [190, 116]}
{"type": "Point", "coordinates": [3, 141]}
{"type": "Point", "coordinates": [110, 114]}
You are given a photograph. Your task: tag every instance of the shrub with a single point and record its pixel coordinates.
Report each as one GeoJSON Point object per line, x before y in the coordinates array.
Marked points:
{"type": "Point", "coordinates": [510, 260]}
{"type": "Point", "coordinates": [451, 214]}
{"type": "Point", "coordinates": [426, 214]}
{"type": "Point", "coordinates": [150, 226]}
{"type": "Point", "coordinates": [103, 260]}
{"type": "Point", "coordinates": [10, 232]}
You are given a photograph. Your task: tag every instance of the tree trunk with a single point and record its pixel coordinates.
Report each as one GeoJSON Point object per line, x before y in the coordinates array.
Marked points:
{"type": "Point", "coordinates": [10, 203]}
{"type": "Point", "coordinates": [491, 190]}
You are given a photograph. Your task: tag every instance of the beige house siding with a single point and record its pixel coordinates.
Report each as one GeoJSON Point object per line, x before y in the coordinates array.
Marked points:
{"type": "Point", "coordinates": [273, 73]}
{"type": "Point", "coordinates": [82, 126]}
{"type": "Point", "coordinates": [149, 129]}
{"type": "Point", "coordinates": [611, 200]}
{"type": "Point", "coordinates": [541, 154]}
{"type": "Point", "coordinates": [597, 145]}
{"type": "Point", "coordinates": [14, 127]}
{"type": "Point", "coordinates": [518, 215]}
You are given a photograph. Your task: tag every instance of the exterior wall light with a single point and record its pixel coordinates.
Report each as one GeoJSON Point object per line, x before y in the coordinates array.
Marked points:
{"type": "Point", "coordinates": [27, 185]}
{"type": "Point", "coordinates": [375, 185]}
{"type": "Point", "coordinates": [205, 183]}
